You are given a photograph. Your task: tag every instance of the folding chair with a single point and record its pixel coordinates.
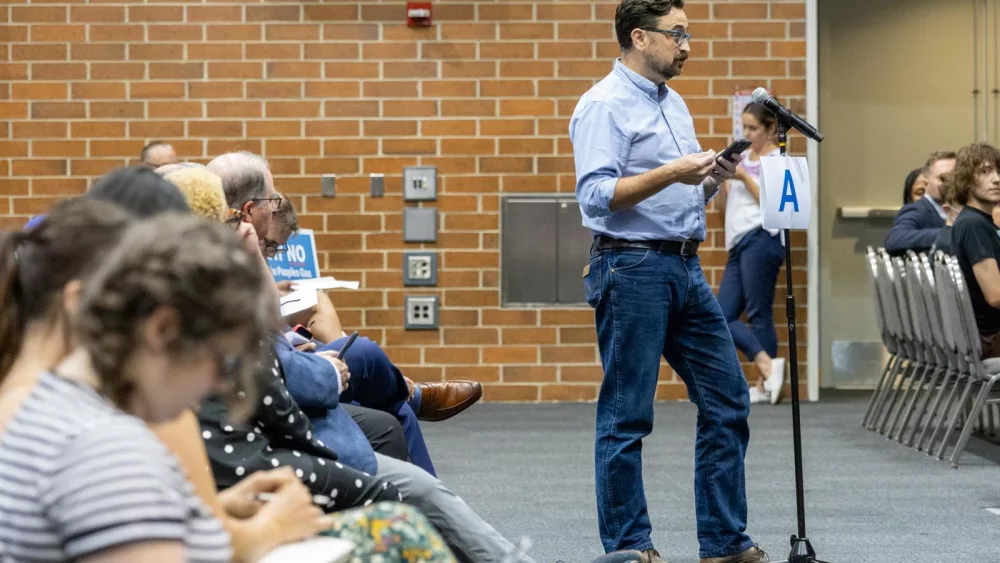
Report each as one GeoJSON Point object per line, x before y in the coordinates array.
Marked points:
{"type": "Point", "coordinates": [984, 373]}
{"type": "Point", "coordinates": [927, 329]}
{"type": "Point", "coordinates": [884, 276]}
{"type": "Point", "coordinates": [888, 340]}
{"type": "Point", "coordinates": [948, 361]}
{"type": "Point", "coordinates": [911, 346]}
{"type": "Point", "coordinates": [957, 341]}
{"type": "Point", "coordinates": [922, 345]}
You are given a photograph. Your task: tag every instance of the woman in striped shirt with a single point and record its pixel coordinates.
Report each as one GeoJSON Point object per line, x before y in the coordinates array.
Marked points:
{"type": "Point", "coordinates": [82, 476]}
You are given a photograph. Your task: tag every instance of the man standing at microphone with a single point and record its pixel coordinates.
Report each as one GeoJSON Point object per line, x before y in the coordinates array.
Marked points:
{"type": "Point", "coordinates": [642, 184]}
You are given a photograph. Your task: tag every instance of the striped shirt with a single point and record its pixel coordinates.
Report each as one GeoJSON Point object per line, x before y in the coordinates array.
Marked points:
{"type": "Point", "coordinates": [78, 476]}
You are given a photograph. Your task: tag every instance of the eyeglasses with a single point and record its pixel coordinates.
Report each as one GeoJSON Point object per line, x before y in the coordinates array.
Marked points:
{"type": "Point", "coordinates": [272, 248]}
{"type": "Point", "coordinates": [275, 201]}
{"type": "Point", "coordinates": [680, 36]}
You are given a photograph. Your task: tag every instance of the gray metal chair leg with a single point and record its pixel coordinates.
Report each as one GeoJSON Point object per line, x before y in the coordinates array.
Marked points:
{"type": "Point", "coordinates": [921, 408]}
{"type": "Point", "coordinates": [892, 409]}
{"type": "Point", "coordinates": [890, 381]}
{"type": "Point", "coordinates": [916, 387]}
{"type": "Point", "coordinates": [932, 413]}
{"type": "Point", "coordinates": [977, 408]}
{"type": "Point", "coordinates": [958, 411]}
{"type": "Point", "coordinates": [945, 409]}
{"type": "Point", "coordinates": [878, 388]}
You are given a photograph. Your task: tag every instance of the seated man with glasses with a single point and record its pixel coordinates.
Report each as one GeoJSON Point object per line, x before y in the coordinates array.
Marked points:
{"type": "Point", "coordinates": [249, 188]}
{"type": "Point", "coordinates": [974, 239]}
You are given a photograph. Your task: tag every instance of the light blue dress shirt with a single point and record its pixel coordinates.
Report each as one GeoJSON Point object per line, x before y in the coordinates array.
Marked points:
{"type": "Point", "coordinates": [626, 125]}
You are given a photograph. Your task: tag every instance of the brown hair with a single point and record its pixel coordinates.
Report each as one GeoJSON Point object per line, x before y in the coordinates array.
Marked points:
{"type": "Point", "coordinates": [939, 155]}
{"type": "Point", "coordinates": [640, 14]}
{"type": "Point", "coordinates": [35, 265]}
{"type": "Point", "coordinates": [947, 189]}
{"type": "Point", "coordinates": [967, 163]}
{"type": "Point", "coordinates": [762, 115]}
{"type": "Point", "coordinates": [198, 268]}
{"type": "Point", "coordinates": [286, 218]}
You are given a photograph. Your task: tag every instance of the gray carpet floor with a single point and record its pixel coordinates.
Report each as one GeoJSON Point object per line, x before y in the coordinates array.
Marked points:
{"type": "Point", "coordinates": [528, 470]}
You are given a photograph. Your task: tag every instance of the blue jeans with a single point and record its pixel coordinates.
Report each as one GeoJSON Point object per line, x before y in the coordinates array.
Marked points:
{"type": "Point", "coordinates": [378, 384]}
{"type": "Point", "coordinates": [646, 305]}
{"type": "Point", "coordinates": [748, 285]}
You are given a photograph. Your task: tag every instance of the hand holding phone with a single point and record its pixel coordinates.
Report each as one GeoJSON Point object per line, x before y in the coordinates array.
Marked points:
{"type": "Point", "coordinates": [303, 332]}
{"type": "Point", "coordinates": [734, 149]}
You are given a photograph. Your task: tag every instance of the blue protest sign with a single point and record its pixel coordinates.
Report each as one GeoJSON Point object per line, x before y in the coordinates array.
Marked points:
{"type": "Point", "coordinates": [299, 261]}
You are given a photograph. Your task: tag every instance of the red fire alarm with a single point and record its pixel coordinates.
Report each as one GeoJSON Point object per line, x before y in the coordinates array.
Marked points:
{"type": "Point", "coordinates": [418, 14]}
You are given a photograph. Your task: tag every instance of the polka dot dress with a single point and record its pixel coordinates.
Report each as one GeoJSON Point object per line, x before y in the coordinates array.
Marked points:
{"type": "Point", "coordinates": [278, 435]}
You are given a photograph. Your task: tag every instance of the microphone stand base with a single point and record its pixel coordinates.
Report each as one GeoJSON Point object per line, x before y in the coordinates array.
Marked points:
{"type": "Point", "coordinates": [802, 552]}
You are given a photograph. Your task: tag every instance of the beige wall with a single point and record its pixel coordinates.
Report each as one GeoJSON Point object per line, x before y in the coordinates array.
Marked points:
{"type": "Point", "coordinates": [895, 81]}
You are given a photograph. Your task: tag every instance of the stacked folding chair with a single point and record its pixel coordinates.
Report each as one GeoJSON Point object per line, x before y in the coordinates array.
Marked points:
{"type": "Point", "coordinates": [934, 381]}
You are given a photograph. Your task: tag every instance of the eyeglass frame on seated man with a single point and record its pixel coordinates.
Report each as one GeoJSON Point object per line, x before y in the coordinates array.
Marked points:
{"type": "Point", "coordinates": [275, 201]}
{"type": "Point", "coordinates": [272, 248]}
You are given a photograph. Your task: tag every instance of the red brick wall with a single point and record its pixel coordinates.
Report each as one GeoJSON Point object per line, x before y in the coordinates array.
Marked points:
{"type": "Point", "coordinates": [345, 87]}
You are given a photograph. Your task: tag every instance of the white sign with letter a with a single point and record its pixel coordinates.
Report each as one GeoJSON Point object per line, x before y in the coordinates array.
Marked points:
{"type": "Point", "coordinates": [785, 194]}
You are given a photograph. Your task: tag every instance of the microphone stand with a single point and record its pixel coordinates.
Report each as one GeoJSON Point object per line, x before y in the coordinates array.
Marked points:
{"type": "Point", "coordinates": [802, 551]}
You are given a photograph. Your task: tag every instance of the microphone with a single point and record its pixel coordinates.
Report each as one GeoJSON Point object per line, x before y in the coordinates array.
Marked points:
{"type": "Point", "coordinates": [785, 115]}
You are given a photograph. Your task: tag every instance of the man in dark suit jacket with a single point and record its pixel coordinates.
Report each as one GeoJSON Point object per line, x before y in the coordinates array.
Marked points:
{"type": "Point", "coordinates": [917, 224]}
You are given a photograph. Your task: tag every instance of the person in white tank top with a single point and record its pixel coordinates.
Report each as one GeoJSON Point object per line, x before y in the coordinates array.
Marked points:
{"type": "Point", "coordinates": [755, 258]}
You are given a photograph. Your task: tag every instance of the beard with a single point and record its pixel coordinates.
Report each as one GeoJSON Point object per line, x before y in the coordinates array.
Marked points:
{"type": "Point", "coordinates": [668, 70]}
{"type": "Point", "coordinates": [674, 68]}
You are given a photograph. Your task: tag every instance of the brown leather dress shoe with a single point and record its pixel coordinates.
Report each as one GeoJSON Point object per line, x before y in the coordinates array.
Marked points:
{"type": "Point", "coordinates": [752, 555]}
{"type": "Point", "coordinates": [441, 401]}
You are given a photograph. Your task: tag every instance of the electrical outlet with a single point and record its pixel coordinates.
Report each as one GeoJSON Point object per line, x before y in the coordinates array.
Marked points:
{"type": "Point", "coordinates": [421, 312]}
{"type": "Point", "coordinates": [419, 268]}
{"type": "Point", "coordinates": [420, 183]}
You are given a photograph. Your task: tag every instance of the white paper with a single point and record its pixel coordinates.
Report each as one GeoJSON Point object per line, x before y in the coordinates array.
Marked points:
{"type": "Point", "coordinates": [740, 100]}
{"type": "Point", "coordinates": [785, 193]}
{"type": "Point", "coordinates": [320, 549]}
{"type": "Point", "coordinates": [325, 283]}
{"type": "Point", "coordinates": [298, 301]}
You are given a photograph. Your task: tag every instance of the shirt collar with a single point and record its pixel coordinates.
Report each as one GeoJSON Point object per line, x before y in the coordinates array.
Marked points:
{"type": "Point", "coordinates": [937, 206]}
{"type": "Point", "coordinates": [654, 91]}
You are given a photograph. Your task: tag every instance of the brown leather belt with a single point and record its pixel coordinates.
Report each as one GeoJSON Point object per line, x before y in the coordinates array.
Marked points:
{"type": "Point", "coordinates": [683, 247]}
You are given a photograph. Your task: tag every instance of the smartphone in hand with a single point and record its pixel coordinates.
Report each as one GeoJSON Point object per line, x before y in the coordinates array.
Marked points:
{"type": "Point", "coordinates": [736, 148]}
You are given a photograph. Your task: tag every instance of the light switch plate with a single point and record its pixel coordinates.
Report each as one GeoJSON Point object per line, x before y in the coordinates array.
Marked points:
{"type": "Point", "coordinates": [420, 183]}
{"type": "Point", "coordinates": [328, 187]}
{"type": "Point", "coordinates": [421, 312]}
{"type": "Point", "coordinates": [419, 268]}
{"type": "Point", "coordinates": [420, 224]}
{"type": "Point", "coordinates": [377, 183]}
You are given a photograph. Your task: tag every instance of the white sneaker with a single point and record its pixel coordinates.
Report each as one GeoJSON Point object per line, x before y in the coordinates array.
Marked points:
{"type": "Point", "coordinates": [757, 396]}
{"type": "Point", "coordinates": [775, 382]}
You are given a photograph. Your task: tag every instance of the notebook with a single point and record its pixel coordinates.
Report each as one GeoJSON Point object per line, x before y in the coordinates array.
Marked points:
{"type": "Point", "coordinates": [319, 549]}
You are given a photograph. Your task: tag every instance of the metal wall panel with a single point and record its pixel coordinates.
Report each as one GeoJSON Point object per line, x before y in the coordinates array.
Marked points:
{"type": "Point", "coordinates": [573, 251]}
{"type": "Point", "coordinates": [528, 250]}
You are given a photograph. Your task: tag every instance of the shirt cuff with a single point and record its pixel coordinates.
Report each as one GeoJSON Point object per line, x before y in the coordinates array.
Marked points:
{"type": "Point", "coordinates": [340, 381]}
{"type": "Point", "coordinates": [599, 202]}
